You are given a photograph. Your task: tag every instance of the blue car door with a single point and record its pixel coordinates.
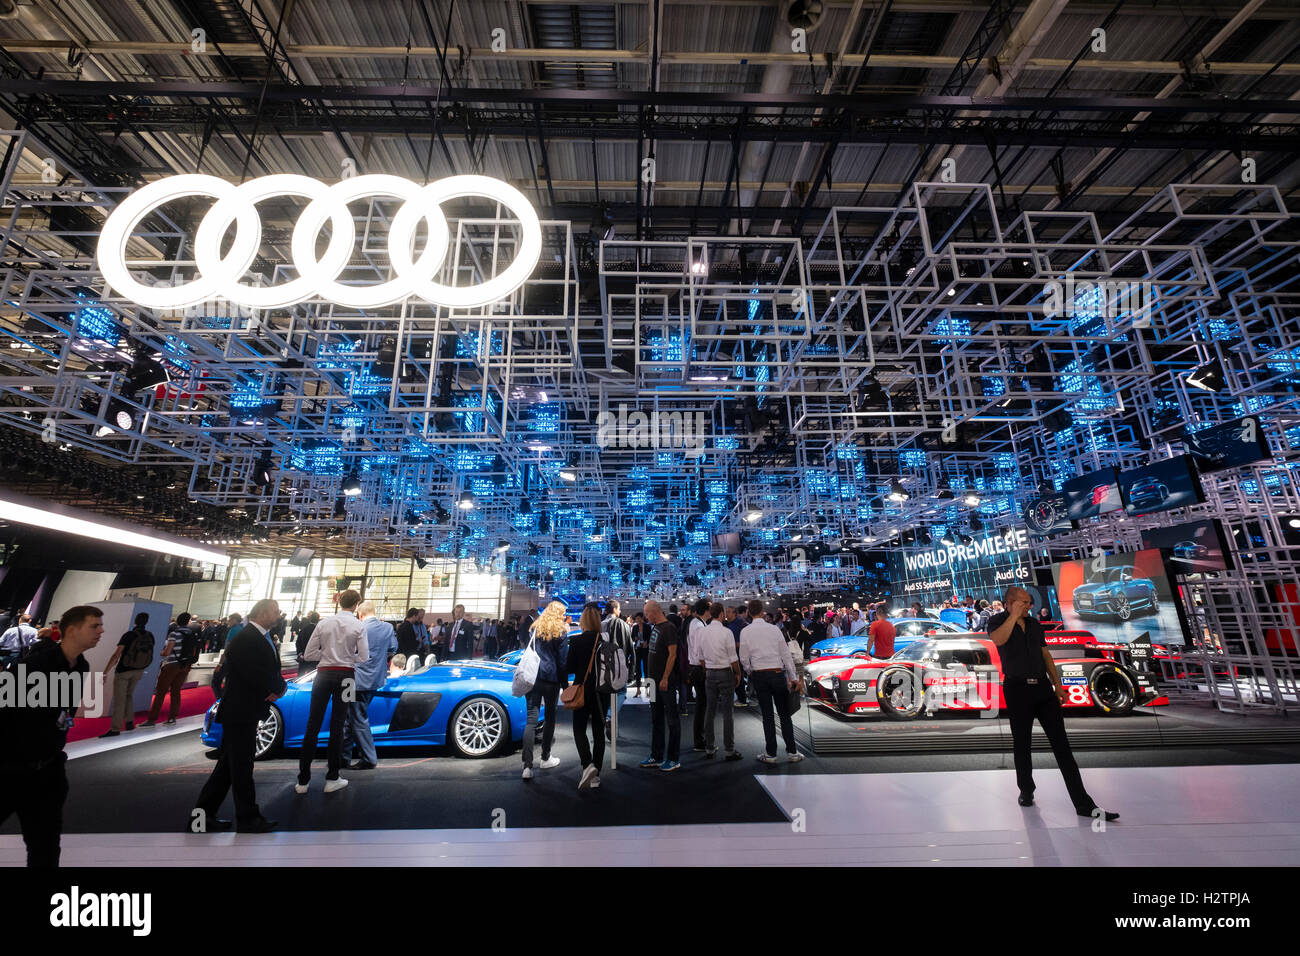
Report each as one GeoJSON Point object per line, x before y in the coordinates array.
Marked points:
{"type": "Point", "coordinates": [380, 712]}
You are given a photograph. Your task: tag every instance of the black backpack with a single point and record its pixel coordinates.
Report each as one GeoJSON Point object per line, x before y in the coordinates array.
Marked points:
{"type": "Point", "coordinates": [139, 653]}
{"type": "Point", "coordinates": [188, 642]}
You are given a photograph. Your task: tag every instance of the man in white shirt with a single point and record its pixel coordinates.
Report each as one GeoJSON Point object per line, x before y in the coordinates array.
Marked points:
{"type": "Point", "coordinates": [339, 644]}
{"type": "Point", "coordinates": [695, 675]}
{"type": "Point", "coordinates": [856, 623]}
{"type": "Point", "coordinates": [766, 658]}
{"type": "Point", "coordinates": [460, 635]}
{"type": "Point", "coordinates": [717, 650]}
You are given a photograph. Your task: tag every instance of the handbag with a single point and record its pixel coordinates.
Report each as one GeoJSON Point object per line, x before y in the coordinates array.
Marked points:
{"type": "Point", "coordinates": [526, 670]}
{"type": "Point", "coordinates": [574, 696]}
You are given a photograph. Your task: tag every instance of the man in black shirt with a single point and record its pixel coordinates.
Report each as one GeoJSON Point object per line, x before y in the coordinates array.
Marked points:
{"type": "Point", "coordinates": [1032, 689]}
{"type": "Point", "coordinates": [33, 781]}
{"type": "Point", "coordinates": [662, 660]}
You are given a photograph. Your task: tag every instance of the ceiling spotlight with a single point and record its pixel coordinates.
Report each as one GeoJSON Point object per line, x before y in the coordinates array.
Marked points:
{"type": "Point", "coordinates": [699, 267]}
{"type": "Point", "coordinates": [753, 514]}
{"type": "Point", "coordinates": [666, 555]}
{"type": "Point", "coordinates": [975, 523]}
{"type": "Point", "coordinates": [421, 563]}
{"type": "Point", "coordinates": [352, 484]}
{"type": "Point", "coordinates": [262, 470]}
{"type": "Point", "coordinates": [525, 506]}
{"type": "Point", "coordinates": [441, 515]}
{"type": "Point", "coordinates": [502, 546]}
{"type": "Point", "coordinates": [897, 492]}
{"type": "Point", "coordinates": [341, 508]}
{"type": "Point", "coordinates": [797, 536]}
{"type": "Point", "coordinates": [569, 471]}
{"type": "Point", "coordinates": [948, 539]}
{"type": "Point", "coordinates": [1208, 377]}
{"type": "Point", "coordinates": [466, 501]}
{"type": "Point", "coordinates": [145, 373]}
{"type": "Point", "coordinates": [971, 499]}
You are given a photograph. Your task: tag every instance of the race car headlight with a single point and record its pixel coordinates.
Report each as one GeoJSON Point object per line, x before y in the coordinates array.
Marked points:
{"type": "Point", "coordinates": [829, 681]}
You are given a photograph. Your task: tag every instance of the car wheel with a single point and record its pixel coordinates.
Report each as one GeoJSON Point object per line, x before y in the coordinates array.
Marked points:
{"type": "Point", "coordinates": [900, 693]}
{"type": "Point", "coordinates": [1123, 610]}
{"type": "Point", "coordinates": [478, 727]}
{"type": "Point", "coordinates": [1112, 691]}
{"type": "Point", "coordinates": [1155, 603]}
{"type": "Point", "coordinates": [270, 735]}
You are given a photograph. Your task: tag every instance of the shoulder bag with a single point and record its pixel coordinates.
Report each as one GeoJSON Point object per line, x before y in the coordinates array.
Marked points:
{"type": "Point", "coordinates": [526, 670]}
{"type": "Point", "coordinates": [574, 696]}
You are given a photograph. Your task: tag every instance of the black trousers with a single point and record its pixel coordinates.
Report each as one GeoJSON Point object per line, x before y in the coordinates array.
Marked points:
{"type": "Point", "coordinates": [233, 772]}
{"type": "Point", "coordinates": [665, 715]}
{"type": "Point", "coordinates": [37, 796]}
{"type": "Point", "coordinates": [697, 685]}
{"type": "Point", "coordinates": [591, 712]}
{"type": "Point", "coordinates": [1025, 702]}
{"type": "Point", "coordinates": [544, 692]}
{"type": "Point", "coordinates": [326, 690]}
{"type": "Point", "coordinates": [774, 702]}
{"type": "Point", "coordinates": [640, 666]}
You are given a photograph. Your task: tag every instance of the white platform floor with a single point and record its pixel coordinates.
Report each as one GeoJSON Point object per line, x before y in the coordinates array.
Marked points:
{"type": "Point", "coordinates": [1185, 816]}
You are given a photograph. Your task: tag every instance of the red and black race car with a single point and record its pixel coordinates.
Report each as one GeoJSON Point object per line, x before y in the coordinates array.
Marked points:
{"type": "Point", "coordinates": [965, 673]}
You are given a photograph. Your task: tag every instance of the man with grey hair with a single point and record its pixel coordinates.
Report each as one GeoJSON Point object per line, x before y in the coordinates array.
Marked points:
{"type": "Point", "coordinates": [253, 681]}
{"type": "Point", "coordinates": [1032, 689]}
{"type": "Point", "coordinates": [381, 640]}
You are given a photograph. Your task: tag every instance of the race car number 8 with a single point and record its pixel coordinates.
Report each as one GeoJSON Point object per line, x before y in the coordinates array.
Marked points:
{"type": "Point", "coordinates": [1078, 694]}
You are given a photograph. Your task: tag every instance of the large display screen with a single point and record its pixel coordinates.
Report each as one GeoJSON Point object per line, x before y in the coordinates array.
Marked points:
{"type": "Point", "coordinates": [1192, 547]}
{"type": "Point", "coordinates": [1119, 597]}
{"type": "Point", "coordinates": [1092, 494]}
{"type": "Point", "coordinates": [982, 569]}
{"type": "Point", "coordinates": [1160, 486]}
{"type": "Point", "coordinates": [1047, 514]}
{"type": "Point", "coordinates": [1229, 445]}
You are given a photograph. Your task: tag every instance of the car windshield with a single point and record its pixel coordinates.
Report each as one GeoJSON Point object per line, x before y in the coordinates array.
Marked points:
{"type": "Point", "coordinates": [916, 651]}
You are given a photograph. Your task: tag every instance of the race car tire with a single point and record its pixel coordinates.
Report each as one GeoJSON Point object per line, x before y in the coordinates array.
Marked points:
{"type": "Point", "coordinates": [1112, 690]}
{"type": "Point", "coordinates": [270, 735]}
{"type": "Point", "coordinates": [900, 693]}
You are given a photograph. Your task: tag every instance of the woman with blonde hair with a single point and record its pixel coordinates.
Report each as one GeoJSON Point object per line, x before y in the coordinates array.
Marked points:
{"type": "Point", "coordinates": [549, 637]}
{"type": "Point", "coordinates": [580, 665]}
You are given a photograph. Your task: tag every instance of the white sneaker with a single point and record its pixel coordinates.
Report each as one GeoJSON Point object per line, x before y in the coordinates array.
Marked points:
{"type": "Point", "coordinates": [332, 786]}
{"type": "Point", "coordinates": [794, 757]}
{"type": "Point", "coordinates": [587, 774]}
{"type": "Point", "coordinates": [550, 763]}
{"type": "Point", "coordinates": [528, 773]}
{"type": "Point", "coordinates": [595, 782]}
{"type": "Point", "coordinates": [766, 759]}
{"type": "Point", "coordinates": [299, 788]}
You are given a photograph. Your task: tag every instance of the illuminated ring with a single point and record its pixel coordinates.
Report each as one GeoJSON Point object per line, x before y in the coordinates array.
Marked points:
{"type": "Point", "coordinates": [239, 206]}
{"type": "Point", "coordinates": [337, 197]}
{"type": "Point", "coordinates": [219, 275]}
{"type": "Point", "coordinates": [111, 252]}
{"type": "Point", "coordinates": [458, 187]}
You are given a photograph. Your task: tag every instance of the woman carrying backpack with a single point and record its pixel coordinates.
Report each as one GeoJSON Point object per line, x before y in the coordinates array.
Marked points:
{"type": "Point", "coordinates": [549, 635]}
{"type": "Point", "coordinates": [581, 664]}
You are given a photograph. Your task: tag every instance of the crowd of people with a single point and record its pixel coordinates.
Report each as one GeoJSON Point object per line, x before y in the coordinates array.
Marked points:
{"type": "Point", "coordinates": [720, 656]}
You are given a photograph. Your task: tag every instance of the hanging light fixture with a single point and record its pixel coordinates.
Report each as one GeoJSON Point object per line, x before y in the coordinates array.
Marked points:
{"type": "Point", "coordinates": [466, 501]}
{"type": "Point", "coordinates": [897, 492]}
{"type": "Point", "coordinates": [352, 484]}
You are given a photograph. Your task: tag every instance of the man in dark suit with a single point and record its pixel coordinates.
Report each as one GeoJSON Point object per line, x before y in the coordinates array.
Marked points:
{"type": "Point", "coordinates": [253, 680]}
{"type": "Point", "coordinates": [408, 642]}
{"type": "Point", "coordinates": [461, 634]}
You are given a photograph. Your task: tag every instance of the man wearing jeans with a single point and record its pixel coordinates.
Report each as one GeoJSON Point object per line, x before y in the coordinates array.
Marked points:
{"type": "Point", "coordinates": [339, 644]}
{"type": "Point", "coordinates": [664, 715]}
{"type": "Point", "coordinates": [717, 649]}
{"type": "Point", "coordinates": [381, 643]}
{"type": "Point", "coordinates": [765, 655]}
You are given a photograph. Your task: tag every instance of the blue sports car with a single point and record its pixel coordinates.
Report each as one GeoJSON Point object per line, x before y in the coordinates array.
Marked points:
{"type": "Point", "coordinates": [1190, 551]}
{"type": "Point", "coordinates": [469, 706]}
{"type": "Point", "coordinates": [908, 630]}
{"type": "Point", "coordinates": [1118, 594]}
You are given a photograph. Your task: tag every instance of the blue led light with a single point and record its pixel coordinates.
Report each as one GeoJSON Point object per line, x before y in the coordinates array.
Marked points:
{"type": "Point", "coordinates": [913, 458]}
{"type": "Point", "coordinates": [726, 442]}
{"type": "Point", "coordinates": [95, 321]}
{"type": "Point", "coordinates": [847, 451]}
{"type": "Point", "coordinates": [246, 395]}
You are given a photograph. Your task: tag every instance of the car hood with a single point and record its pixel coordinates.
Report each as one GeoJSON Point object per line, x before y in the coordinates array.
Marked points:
{"type": "Point", "coordinates": [1096, 587]}
{"type": "Point", "coordinates": [835, 665]}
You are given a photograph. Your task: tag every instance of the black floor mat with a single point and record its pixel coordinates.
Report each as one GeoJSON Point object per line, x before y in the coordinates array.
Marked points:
{"type": "Point", "coordinates": [151, 787]}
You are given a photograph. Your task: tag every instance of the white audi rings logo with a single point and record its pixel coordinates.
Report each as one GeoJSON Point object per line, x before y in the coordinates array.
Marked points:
{"type": "Point", "coordinates": [219, 275]}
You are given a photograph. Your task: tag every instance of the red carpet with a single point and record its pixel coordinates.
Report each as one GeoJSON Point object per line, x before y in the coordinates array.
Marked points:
{"type": "Point", "coordinates": [194, 701]}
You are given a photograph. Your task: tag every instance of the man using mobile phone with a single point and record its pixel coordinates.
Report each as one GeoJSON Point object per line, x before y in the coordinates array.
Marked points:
{"type": "Point", "coordinates": [1032, 689]}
